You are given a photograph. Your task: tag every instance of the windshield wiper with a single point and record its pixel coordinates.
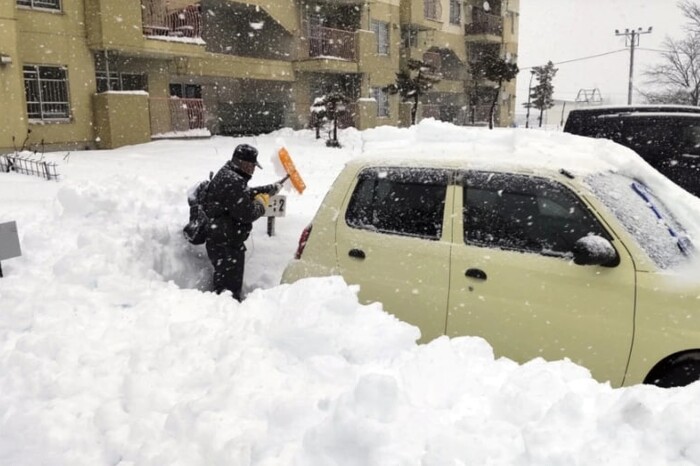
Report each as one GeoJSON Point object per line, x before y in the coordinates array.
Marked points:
{"type": "Point", "coordinates": [682, 241]}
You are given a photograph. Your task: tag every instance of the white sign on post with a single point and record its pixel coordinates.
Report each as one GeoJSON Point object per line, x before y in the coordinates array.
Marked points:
{"type": "Point", "coordinates": [9, 241]}
{"type": "Point", "coordinates": [277, 206]}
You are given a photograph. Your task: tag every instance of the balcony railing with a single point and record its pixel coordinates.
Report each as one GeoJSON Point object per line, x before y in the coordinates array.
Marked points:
{"type": "Point", "coordinates": [328, 42]}
{"type": "Point", "coordinates": [484, 23]}
{"type": "Point", "coordinates": [184, 114]}
{"type": "Point", "coordinates": [159, 20]}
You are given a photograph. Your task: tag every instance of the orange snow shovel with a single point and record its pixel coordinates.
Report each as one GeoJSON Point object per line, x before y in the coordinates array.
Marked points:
{"type": "Point", "coordinates": [291, 170]}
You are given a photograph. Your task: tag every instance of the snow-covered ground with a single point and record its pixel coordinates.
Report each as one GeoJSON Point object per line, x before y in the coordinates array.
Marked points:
{"type": "Point", "coordinates": [112, 352]}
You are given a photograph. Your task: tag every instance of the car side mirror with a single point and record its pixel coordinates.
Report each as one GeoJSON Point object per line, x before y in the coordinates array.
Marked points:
{"type": "Point", "coordinates": [595, 250]}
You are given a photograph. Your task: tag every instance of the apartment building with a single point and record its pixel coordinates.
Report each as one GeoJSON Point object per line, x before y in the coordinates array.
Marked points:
{"type": "Point", "coordinates": [107, 73]}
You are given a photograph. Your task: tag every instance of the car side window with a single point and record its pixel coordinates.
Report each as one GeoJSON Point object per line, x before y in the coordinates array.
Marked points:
{"type": "Point", "coordinates": [408, 202]}
{"type": "Point", "coordinates": [525, 213]}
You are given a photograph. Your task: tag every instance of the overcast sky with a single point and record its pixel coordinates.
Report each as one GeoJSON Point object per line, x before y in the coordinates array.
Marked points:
{"type": "Point", "coordinates": [563, 30]}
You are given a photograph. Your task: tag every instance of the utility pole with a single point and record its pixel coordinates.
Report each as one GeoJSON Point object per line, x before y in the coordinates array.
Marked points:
{"type": "Point", "coordinates": [632, 40]}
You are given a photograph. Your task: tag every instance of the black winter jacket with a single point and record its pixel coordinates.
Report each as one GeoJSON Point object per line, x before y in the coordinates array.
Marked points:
{"type": "Point", "coordinates": [231, 207]}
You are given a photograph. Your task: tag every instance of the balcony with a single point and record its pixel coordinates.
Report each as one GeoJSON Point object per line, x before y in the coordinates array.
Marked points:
{"type": "Point", "coordinates": [161, 21]}
{"type": "Point", "coordinates": [325, 42]}
{"type": "Point", "coordinates": [484, 23]}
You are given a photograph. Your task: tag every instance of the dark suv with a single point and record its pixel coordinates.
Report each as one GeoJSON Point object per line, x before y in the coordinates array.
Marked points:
{"type": "Point", "coordinates": [666, 136]}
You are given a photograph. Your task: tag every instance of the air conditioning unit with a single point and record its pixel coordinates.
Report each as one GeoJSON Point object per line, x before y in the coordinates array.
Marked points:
{"type": "Point", "coordinates": [5, 59]}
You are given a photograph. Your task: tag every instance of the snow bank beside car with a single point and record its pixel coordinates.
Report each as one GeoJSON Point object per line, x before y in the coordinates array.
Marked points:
{"type": "Point", "coordinates": [109, 355]}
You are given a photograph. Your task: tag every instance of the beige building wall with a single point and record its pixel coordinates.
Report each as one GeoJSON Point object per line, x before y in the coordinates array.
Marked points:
{"type": "Point", "coordinates": [70, 38]}
{"type": "Point", "coordinates": [56, 39]}
{"type": "Point", "coordinates": [13, 122]}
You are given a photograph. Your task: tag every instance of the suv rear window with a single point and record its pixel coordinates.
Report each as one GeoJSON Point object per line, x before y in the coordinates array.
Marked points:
{"type": "Point", "coordinates": [402, 201]}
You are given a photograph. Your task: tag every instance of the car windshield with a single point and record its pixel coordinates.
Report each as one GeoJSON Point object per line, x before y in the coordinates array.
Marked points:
{"type": "Point", "coordinates": [645, 217]}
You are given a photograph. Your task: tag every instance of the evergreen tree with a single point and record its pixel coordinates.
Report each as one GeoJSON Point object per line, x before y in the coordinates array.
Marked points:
{"type": "Point", "coordinates": [329, 108]}
{"type": "Point", "coordinates": [490, 67]}
{"type": "Point", "coordinates": [413, 82]}
{"type": "Point", "coordinates": [542, 95]}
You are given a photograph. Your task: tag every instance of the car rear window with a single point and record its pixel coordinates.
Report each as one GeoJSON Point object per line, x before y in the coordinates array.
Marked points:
{"type": "Point", "coordinates": [402, 201]}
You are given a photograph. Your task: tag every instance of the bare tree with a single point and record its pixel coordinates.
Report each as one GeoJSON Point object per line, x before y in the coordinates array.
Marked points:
{"type": "Point", "coordinates": [677, 78]}
{"type": "Point", "coordinates": [691, 10]}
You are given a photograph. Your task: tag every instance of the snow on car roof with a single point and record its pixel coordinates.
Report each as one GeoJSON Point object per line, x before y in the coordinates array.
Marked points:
{"type": "Point", "coordinates": [515, 149]}
{"type": "Point", "coordinates": [525, 151]}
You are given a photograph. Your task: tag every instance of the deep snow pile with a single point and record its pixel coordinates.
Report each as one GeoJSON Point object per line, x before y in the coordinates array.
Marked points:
{"type": "Point", "coordinates": [111, 353]}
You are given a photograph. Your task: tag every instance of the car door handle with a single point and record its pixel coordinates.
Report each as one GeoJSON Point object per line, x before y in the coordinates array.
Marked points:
{"type": "Point", "coordinates": [476, 273]}
{"type": "Point", "coordinates": [357, 253]}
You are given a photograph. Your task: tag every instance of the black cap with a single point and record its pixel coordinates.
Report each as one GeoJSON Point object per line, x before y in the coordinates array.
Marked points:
{"type": "Point", "coordinates": [246, 153]}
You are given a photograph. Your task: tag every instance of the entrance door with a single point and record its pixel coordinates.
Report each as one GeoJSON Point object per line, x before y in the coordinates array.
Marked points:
{"type": "Point", "coordinates": [514, 283]}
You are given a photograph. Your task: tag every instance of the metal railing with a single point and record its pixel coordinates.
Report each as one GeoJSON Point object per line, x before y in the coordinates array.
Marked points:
{"type": "Point", "coordinates": [159, 20]}
{"type": "Point", "coordinates": [484, 23]}
{"type": "Point", "coordinates": [184, 114]}
{"type": "Point", "coordinates": [329, 42]}
{"type": "Point", "coordinates": [28, 166]}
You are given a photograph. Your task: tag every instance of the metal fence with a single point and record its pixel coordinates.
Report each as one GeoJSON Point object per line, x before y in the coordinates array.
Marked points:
{"type": "Point", "coordinates": [159, 20]}
{"type": "Point", "coordinates": [27, 165]}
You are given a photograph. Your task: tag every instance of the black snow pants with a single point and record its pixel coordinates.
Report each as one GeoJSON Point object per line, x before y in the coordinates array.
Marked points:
{"type": "Point", "coordinates": [229, 263]}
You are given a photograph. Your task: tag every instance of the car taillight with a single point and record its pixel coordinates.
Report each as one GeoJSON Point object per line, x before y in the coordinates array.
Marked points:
{"type": "Point", "coordinates": [302, 242]}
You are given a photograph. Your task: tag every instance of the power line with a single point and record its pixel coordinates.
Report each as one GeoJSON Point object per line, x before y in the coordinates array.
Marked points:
{"type": "Point", "coordinates": [579, 59]}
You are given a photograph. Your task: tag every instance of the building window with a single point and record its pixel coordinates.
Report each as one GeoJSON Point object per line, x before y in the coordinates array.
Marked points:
{"type": "Point", "coordinates": [120, 81]}
{"type": "Point", "coordinates": [382, 97]}
{"type": "Point", "coordinates": [46, 91]}
{"type": "Point", "coordinates": [381, 32]}
{"type": "Point", "coordinates": [186, 91]}
{"type": "Point", "coordinates": [45, 4]}
{"type": "Point", "coordinates": [432, 9]}
{"type": "Point", "coordinates": [455, 12]}
{"type": "Point", "coordinates": [108, 76]}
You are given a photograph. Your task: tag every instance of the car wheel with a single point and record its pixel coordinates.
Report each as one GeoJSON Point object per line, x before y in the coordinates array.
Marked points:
{"type": "Point", "coordinates": [678, 375]}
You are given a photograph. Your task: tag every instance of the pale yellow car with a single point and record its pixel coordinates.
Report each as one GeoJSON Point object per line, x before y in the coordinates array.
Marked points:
{"type": "Point", "coordinates": [539, 262]}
